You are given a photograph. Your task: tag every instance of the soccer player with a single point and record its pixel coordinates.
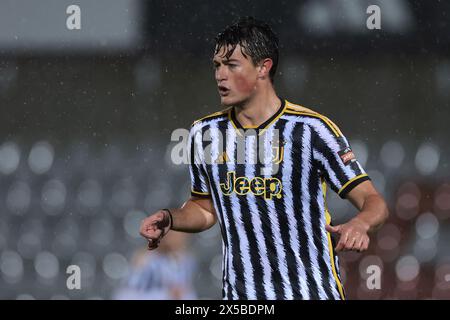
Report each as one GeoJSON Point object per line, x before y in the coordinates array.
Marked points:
{"type": "Point", "coordinates": [275, 224]}
{"type": "Point", "coordinates": [166, 274]}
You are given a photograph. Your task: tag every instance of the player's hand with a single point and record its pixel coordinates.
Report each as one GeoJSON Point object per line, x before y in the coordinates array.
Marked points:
{"type": "Point", "coordinates": [155, 227]}
{"type": "Point", "coordinates": [353, 235]}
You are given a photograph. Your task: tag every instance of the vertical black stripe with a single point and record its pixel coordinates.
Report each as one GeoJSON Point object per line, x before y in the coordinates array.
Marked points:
{"type": "Point", "coordinates": [314, 183]}
{"type": "Point", "coordinates": [215, 194]}
{"type": "Point", "coordinates": [197, 183]}
{"type": "Point", "coordinates": [280, 207]}
{"type": "Point", "coordinates": [235, 242]}
{"type": "Point", "coordinates": [255, 255]}
{"type": "Point", "coordinates": [296, 154]}
{"type": "Point", "coordinates": [336, 264]}
{"type": "Point", "coordinates": [224, 235]}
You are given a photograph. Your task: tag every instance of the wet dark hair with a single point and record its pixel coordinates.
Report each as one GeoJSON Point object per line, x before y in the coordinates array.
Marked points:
{"type": "Point", "coordinates": [256, 39]}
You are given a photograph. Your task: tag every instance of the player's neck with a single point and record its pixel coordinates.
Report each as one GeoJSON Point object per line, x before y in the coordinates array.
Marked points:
{"type": "Point", "coordinates": [258, 109]}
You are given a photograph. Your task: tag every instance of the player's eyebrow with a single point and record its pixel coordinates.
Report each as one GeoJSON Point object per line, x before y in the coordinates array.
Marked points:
{"type": "Point", "coordinates": [225, 61]}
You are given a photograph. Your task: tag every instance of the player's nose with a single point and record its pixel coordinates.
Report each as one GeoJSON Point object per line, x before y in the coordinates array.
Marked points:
{"type": "Point", "coordinates": [220, 74]}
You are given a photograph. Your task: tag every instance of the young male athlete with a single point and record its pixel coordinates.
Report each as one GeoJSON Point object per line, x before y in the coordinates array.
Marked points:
{"type": "Point", "coordinates": [272, 212]}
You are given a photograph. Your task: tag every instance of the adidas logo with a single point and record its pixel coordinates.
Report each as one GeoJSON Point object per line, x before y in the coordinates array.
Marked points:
{"type": "Point", "coordinates": [222, 158]}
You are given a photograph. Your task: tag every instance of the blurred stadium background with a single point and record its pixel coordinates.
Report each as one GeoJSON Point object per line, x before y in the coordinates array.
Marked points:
{"type": "Point", "coordinates": [86, 119]}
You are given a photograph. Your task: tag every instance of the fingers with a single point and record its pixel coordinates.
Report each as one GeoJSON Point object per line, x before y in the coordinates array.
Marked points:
{"type": "Point", "coordinates": [151, 229]}
{"type": "Point", "coordinates": [342, 242]}
{"type": "Point", "coordinates": [151, 221]}
{"type": "Point", "coordinates": [164, 222]}
{"type": "Point", "coordinates": [353, 237]}
{"type": "Point", "coordinates": [332, 229]}
{"type": "Point", "coordinates": [151, 232]}
{"type": "Point", "coordinates": [365, 244]}
{"type": "Point", "coordinates": [150, 226]}
{"type": "Point", "coordinates": [358, 244]}
{"type": "Point", "coordinates": [353, 242]}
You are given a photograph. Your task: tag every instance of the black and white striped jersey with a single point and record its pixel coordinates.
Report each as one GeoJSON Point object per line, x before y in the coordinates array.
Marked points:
{"type": "Point", "coordinates": [268, 185]}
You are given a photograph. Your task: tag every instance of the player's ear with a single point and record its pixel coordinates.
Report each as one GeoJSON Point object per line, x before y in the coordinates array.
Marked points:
{"type": "Point", "coordinates": [264, 67]}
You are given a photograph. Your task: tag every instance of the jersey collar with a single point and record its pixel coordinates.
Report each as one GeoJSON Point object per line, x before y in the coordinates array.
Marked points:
{"type": "Point", "coordinates": [262, 127]}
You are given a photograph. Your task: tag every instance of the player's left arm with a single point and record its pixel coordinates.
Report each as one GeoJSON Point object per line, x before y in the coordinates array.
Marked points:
{"type": "Point", "coordinates": [373, 212]}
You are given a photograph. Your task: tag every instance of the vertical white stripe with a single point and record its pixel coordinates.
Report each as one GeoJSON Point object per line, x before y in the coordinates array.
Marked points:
{"type": "Point", "coordinates": [256, 222]}
{"type": "Point", "coordinates": [244, 249]}
{"type": "Point", "coordinates": [306, 200]}
{"type": "Point", "coordinates": [361, 169]}
{"type": "Point", "coordinates": [190, 142]}
{"type": "Point", "coordinates": [272, 214]}
{"type": "Point", "coordinates": [199, 156]}
{"type": "Point", "coordinates": [224, 267]}
{"type": "Point", "coordinates": [289, 205]}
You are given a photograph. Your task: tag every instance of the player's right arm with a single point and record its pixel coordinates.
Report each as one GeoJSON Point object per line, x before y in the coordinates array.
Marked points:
{"type": "Point", "coordinates": [195, 215]}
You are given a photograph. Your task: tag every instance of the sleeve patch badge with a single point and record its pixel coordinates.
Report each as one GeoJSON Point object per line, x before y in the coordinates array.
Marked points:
{"type": "Point", "coordinates": [347, 156]}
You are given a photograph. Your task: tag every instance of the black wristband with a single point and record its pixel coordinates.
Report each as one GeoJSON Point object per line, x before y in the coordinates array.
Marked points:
{"type": "Point", "coordinates": [171, 218]}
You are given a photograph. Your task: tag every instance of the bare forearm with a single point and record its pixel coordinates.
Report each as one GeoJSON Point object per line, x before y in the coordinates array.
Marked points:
{"type": "Point", "coordinates": [192, 218]}
{"type": "Point", "coordinates": [374, 212]}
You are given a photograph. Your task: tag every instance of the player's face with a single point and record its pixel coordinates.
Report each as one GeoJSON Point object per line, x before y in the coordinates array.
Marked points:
{"type": "Point", "coordinates": [236, 77]}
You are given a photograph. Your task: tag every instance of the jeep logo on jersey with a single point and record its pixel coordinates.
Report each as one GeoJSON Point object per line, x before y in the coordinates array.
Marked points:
{"type": "Point", "coordinates": [267, 187]}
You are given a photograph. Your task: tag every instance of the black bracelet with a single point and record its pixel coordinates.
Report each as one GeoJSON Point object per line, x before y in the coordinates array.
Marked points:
{"type": "Point", "coordinates": [171, 218]}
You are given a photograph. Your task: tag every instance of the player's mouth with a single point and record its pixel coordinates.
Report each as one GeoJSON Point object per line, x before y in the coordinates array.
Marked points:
{"type": "Point", "coordinates": [223, 91]}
